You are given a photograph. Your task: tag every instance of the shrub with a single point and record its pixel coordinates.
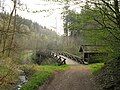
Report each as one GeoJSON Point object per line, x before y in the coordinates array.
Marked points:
{"type": "Point", "coordinates": [8, 73]}
{"type": "Point", "coordinates": [109, 77]}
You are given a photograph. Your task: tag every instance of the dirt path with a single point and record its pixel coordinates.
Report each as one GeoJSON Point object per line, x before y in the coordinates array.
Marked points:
{"type": "Point", "coordinates": [76, 78]}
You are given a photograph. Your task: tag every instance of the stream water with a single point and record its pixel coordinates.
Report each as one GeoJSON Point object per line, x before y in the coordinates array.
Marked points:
{"type": "Point", "coordinates": [22, 80]}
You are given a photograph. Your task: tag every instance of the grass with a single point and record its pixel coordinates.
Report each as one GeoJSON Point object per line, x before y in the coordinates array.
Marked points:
{"type": "Point", "coordinates": [95, 68]}
{"type": "Point", "coordinates": [36, 80]}
{"type": "Point", "coordinates": [41, 75]}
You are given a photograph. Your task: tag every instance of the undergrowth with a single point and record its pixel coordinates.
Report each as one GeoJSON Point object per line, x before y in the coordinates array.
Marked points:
{"type": "Point", "coordinates": [42, 73]}
{"type": "Point", "coordinates": [95, 68]}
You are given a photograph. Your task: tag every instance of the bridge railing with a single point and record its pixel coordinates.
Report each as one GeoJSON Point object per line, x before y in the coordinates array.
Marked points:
{"type": "Point", "coordinates": [73, 57]}
{"type": "Point", "coordinates": [60, 60]}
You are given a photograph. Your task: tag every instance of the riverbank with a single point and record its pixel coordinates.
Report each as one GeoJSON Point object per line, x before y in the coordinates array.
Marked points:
{"type": "Point", "coordinates": [40, 75]}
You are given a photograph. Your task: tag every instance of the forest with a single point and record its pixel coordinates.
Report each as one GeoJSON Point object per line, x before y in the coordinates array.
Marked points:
{"type": "Point", "coordinates": [36, 57]}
